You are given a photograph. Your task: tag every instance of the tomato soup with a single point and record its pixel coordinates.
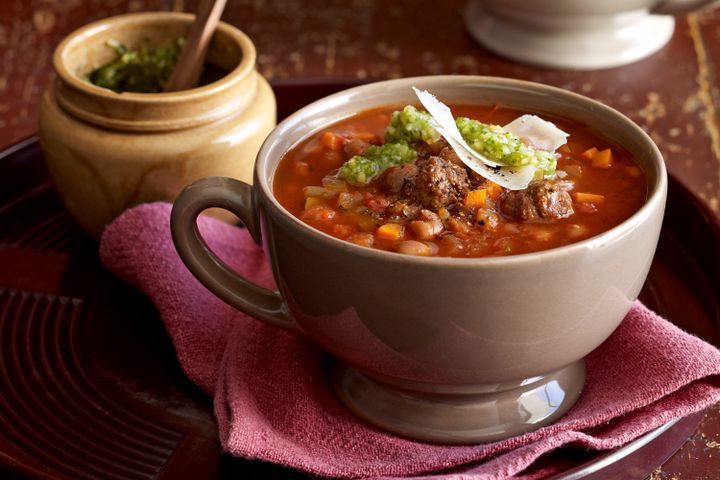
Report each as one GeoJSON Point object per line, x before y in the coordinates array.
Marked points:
{"type": "Point", "coordinates": [364, 181]}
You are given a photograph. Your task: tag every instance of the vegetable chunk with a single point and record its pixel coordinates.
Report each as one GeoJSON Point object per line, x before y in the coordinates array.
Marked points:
{"type": "Point", "coordinates": [603, 159]}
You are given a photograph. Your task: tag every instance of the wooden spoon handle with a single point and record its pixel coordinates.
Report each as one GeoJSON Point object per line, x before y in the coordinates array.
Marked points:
{"type": "Point", "coordinates": [186, 73]}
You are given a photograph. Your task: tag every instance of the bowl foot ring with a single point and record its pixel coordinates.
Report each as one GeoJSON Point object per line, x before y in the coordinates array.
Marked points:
{"type": "Point", "coordinates": [460, 418]}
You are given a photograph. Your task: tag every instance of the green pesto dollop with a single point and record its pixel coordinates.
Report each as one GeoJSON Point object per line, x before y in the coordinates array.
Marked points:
{"type": "Point", "coordinates": [411, 125]}
{"type": "Point", "coordinates": [143, 71]}
{"type": "Point", "coordinates": [503, 147]}
{"type": "Point", "coordinates": [361, 169]}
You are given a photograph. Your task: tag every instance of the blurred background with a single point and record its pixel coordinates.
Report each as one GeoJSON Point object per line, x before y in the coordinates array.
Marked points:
{"type": "Point", "coordinates": [673, 94]}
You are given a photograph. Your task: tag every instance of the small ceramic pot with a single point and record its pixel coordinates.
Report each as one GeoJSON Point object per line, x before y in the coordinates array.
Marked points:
{"type": "Point", "coordinates": [451, 350]}
{"type": "Point", "coordinates": [107, 151]}
{"type": "Point", "coordinates": [575, 34]}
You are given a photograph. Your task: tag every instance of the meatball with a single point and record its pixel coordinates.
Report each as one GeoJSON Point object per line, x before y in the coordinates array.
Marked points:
{"type": "Point", "coordinates": [542, 199]}
{"type": "Point", "coordinates": [438, 183]}
{"type": "Point", "coordinates": [451, 156]}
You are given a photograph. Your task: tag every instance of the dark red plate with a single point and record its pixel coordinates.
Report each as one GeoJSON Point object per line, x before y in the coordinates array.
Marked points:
{"type": "Point", "coordinates": [89, 385]}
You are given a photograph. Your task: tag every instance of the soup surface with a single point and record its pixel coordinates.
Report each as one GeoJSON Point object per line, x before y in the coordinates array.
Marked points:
{"type": "Point", "coordinates": [435, 205]}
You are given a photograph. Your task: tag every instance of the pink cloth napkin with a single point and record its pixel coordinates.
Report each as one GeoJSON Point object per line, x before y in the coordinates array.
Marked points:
{"type": "Point", "coordinates": [273, 403]}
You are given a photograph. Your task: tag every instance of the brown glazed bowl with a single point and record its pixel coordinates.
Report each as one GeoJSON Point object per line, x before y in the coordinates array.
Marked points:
{"type": "Point", "coordinates": [445, 350]}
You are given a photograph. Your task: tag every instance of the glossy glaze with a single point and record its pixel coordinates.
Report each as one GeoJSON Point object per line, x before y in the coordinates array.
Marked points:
{"type": "Point", "coordinates": [433, 416]}
{"type": "Point", "coordinates": [108, 151]}
{"type": "Point", "coordinates": [456, 326]}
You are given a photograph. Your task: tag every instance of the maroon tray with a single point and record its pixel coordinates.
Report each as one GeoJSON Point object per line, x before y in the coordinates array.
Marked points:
{"type": "Point", "coordinates": [89, 385]}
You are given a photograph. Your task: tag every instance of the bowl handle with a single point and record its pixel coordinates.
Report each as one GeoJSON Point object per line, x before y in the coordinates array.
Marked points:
{"type": "Point", "coordinates": [246, 296]}
{"type": "Point", "coordinates": [676, 7]}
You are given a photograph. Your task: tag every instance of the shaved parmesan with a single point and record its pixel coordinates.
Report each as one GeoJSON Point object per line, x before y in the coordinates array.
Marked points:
{"type": "Point", "coordinates": [447, 127]}
{"type": "Point", "coordinates": [512, 178]}
{"type": "Point", "coordinates": [537, 133]}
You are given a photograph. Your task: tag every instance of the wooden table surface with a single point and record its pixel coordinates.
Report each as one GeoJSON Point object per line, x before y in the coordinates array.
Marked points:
{"type": "Point", "coordinates": [674, 95]}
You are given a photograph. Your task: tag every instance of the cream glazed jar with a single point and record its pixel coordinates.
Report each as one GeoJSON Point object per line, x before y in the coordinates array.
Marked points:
{"type": "Point", "coordinates": [108, 151]}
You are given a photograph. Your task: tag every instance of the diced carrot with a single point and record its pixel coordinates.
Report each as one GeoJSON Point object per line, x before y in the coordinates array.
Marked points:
{"type": "Point", "coordinates": [565, 149]}
{"type": "Point", "coordinates": [589, 153]}
{"type": "Point", "coordinates": [331, 141]}
{"type": "Point", "coordinates": [476, 198]}
{"type": "Point", "coordinates": [301, 168]}
{"type": "Point", "coordinates": [603, 159]}
{"type": "Point", "coordinates": [595, 198]}
{"type": "Point", "coordinates": [633, 171]}
{"type": "Point", "coordinates": [494, 190]}
{"type": "Point", "coordinates": [443, 213]}
{"type": "Point", "coordinates": [390, 231]}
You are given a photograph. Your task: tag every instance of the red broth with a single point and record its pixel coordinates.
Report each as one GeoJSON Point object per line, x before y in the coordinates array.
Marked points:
{"type": "Point", "coordinates": [615, 193]}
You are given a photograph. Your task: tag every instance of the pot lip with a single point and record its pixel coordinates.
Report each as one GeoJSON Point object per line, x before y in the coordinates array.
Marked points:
{"type": "Point", "coordinates": [655, 201]}
{"type": "Point", "coordinates": [86, 32]}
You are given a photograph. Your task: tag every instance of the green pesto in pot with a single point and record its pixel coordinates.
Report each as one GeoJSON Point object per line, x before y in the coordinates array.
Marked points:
{"type": "Point", "coordinates": [144, 70]}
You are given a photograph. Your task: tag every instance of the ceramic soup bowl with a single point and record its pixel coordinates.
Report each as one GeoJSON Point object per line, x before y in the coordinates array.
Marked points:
{"type": "Point", "coordinates": [577, 34]}
{"type": "Point", "coordinates": [439, 349]}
